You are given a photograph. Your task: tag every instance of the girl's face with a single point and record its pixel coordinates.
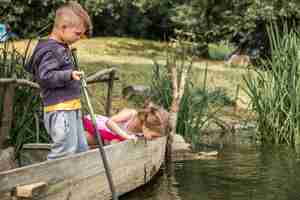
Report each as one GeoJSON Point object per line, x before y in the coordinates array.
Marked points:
{"type": "Point", "coordinates": [153, 124]}
{"type": "Point", "coordinates": [154, 119]}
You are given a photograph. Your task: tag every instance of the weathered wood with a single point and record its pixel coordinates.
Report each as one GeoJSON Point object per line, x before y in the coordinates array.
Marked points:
{"type": "Point", "coordinates": [7, 113]}
{"type": "Point", "coordinates": [30, 191]}
{"type": "Point", "coordinates": [34, 153]}
{"type": "Point", "coordinates": [37, 127]}
{"type": "Point", "coordinates": [1, 107]}
{"type": "Point", "coordinates": [102, 80]}
{"type": "Point", "coordinates": [7, 159]}
{"type": "Point", "coordinates": [82, 176]}
{"type": "Point", "coordinates": [21, 82]}
{"type": "Point", "coordinates": [99, 75]}
{"type": "Point", "coordinates": [46, 146]}
{"type": "Point", "coordinates": [110, 85]}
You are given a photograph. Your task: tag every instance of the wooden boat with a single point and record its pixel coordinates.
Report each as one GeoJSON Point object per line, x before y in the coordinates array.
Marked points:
{"type": "Point", "coordinates": [82, 176]}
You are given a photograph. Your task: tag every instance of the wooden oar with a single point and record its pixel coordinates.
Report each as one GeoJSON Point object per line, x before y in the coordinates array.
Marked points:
{"type": "Point", "coordinates": [99, 140]}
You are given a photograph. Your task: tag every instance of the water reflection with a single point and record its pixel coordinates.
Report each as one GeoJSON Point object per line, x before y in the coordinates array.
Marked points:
{"type": "Point", "coordinates": [163, 186]}
{"type": "Point", "coordinates": [240, 172]}
{"type": "Point", "coordinates": [245, 173]}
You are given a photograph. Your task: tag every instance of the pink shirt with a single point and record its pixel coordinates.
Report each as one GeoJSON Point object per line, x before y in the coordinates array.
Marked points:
{"type": "Point", "coordinates": [104, 131]}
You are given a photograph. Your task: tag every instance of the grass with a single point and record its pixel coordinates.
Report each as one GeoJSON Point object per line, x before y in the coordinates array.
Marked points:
{"type": "Point", "coordinates": [134, 60]}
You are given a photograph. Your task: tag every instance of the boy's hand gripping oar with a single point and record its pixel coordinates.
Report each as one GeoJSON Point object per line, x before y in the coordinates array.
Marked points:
{"type": "Point", "coordinates": [99, 140]}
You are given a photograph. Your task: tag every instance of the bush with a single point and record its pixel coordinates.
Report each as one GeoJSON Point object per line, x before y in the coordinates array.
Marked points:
{"type": "Point", "coordinates": [219, 51]}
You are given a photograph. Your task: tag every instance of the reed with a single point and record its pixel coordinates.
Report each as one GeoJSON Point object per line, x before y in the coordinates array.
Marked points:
{"type": "Point", "coordinates": [275, 92]}
{"type": "Point", "coordinates": [27, 103]}
{"type": "Point", "coordinates": [198, 107]}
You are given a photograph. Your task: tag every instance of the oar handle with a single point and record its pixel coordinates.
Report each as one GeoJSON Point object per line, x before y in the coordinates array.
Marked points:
{"type": "Point", "coordinates": [99, 140]}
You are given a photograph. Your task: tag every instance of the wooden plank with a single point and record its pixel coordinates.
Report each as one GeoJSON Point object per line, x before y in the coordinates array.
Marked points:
{"type": "Point", "coordinates": [101, 80]}
{"type": "Point", "coordinates": [45, 146]}
{"type": "Point", "coordinates": [1, 105]}
{"type": "Point", "coordinates": [128, 161]}
{"type": "Point", "coordinates": [99, 75]}
{"type": "Point", "coordinates": [21, 82]}
{"type": "Point", "coordinates": [7, 113]}
{"type": "Point", "coordinates": [30, 191]}
{"type": "Point", "coordinates": [95, 187]}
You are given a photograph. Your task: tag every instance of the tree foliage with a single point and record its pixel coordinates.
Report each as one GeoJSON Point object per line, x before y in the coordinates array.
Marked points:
{"type": "Point", "coordinates": [210, 20]}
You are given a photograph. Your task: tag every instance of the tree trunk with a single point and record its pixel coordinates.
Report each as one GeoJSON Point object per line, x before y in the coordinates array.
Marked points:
{"type": "Point", "coordinates": [178, 91]}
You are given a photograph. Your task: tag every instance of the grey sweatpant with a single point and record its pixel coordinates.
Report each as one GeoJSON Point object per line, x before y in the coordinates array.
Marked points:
{"type": "Point", "coordinates": [66, 131]}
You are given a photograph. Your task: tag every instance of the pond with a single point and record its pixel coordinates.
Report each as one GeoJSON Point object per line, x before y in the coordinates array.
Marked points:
{"type": "Point", "coordinates": [241, 171]}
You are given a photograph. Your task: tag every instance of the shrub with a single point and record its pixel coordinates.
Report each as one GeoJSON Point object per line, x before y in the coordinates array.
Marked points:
{"type": "Point", "coordinates": [219, 51]}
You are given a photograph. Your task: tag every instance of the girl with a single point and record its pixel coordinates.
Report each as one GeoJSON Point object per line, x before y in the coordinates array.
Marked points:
{"type": "Point", "coordinates": [149, 122]}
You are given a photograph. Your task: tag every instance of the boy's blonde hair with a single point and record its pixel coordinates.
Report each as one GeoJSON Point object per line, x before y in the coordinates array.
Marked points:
{"type": "Point", "coordinates": [72, 13]}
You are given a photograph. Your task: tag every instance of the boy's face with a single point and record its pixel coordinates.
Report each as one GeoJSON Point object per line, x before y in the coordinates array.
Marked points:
{"type": "Point", "coordinates": [71, 34]}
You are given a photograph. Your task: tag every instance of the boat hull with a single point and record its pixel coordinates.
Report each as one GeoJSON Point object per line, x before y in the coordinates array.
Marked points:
{"type": "Point", "coordinates": [82, 176]}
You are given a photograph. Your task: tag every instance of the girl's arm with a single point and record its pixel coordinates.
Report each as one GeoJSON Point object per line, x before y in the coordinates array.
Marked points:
{"type": "Point", "coordinates": [122, 116]}
{"type": "Point", "coordinates": [116, 129]}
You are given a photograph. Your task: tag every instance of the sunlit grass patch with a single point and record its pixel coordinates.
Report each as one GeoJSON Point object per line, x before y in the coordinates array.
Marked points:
{"type": "Point", "coordinates": [133, 59]}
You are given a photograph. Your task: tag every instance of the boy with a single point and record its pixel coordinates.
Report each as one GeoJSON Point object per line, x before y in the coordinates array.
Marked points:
{"type": "Point", "coordinates": [53, 68]}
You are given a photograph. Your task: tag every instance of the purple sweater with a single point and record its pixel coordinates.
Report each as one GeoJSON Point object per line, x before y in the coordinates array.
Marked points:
{"type": "Point", "coordinates": [52, 64]}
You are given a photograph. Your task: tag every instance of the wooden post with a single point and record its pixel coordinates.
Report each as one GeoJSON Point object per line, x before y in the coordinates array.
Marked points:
{"type": "Point", "coordinates": [37, 125]}
{"type": "Point", "coordinates": [7, 113]}
{"type": "Point", "coordinates": [1, 105]}
{"type": "Point", "coordinates": [109, 93]}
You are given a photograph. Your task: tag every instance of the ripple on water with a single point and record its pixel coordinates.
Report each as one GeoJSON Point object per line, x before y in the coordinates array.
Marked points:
{"type": "Point", "coordinates": [240, 173]}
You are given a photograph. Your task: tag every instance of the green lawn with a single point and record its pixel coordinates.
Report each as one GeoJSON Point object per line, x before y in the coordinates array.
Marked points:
{"type": "Point", "coordinates": [134, 61]}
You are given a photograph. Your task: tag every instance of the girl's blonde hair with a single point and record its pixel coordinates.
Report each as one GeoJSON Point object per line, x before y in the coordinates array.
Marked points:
{"type": "Point", "coordinates": [154, 118]}
{"type": "Point", "coordinates": [71, 14]}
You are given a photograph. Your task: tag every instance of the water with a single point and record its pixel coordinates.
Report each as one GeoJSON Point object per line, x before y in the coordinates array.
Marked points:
{"type": "Point", "coordinates": [240, 172]}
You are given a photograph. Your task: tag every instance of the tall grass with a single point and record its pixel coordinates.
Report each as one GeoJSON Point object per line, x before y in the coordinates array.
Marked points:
{"type": "Point", "coordinates": [27, 103]}
{"type": "Point", "coordinates": [275, 93]}
{"type": "Point", "coordinates": [198, 106]}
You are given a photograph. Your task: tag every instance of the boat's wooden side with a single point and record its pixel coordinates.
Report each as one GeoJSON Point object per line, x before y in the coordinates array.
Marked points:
{"type": "Point", "coordinates": [82, 176]}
